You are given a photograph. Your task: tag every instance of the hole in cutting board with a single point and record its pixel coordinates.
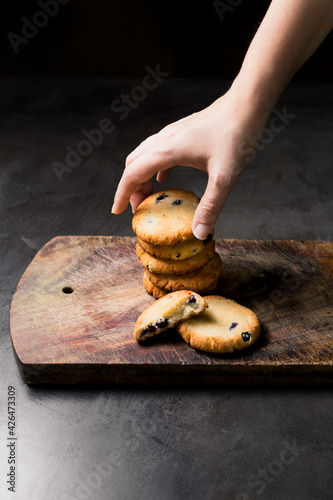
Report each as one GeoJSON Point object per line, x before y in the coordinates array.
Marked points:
{"type": "Point", "coordinates": [68, 289]}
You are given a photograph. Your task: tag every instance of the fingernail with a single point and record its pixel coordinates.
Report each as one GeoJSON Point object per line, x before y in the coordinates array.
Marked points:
{"type": "Point", "coordinates": [112, 209]}
{"type": "Point", "coordinates": [201, 231]}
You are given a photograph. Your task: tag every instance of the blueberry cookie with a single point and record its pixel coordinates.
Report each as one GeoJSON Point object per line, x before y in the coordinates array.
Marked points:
{"type": "Point", "coordinates": [157, 292]}
{"type": "Point", "coordinates": [165, 218]}
{"type": "Point", "coordinates": [166, 312]}
{"type": "Point", "coordinates": [224, 327]}
{"type": "Point", "coordinates": [152, 289]}
{"type": "Point", "coordinates": [179, 251]}
{"type": "Point", "coordinates": [198, 280]}
{"type": "Point", "coordinates": [168, 266]}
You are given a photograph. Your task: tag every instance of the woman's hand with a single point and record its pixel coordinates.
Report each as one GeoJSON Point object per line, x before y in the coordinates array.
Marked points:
{"type": "Point", "coordinates": [218, 140]}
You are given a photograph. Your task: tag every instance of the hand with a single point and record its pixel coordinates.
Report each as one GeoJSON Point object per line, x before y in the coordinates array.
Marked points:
{"type": "Point", "coordinates": [219, 140]}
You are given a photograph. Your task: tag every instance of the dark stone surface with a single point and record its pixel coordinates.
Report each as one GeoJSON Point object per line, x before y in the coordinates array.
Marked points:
{"type": "Point", "coordinates": [157, 442]}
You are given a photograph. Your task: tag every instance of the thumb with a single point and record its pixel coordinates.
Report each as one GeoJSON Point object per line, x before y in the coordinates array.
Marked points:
{"type": "Point", "coordinates": [210, 206]}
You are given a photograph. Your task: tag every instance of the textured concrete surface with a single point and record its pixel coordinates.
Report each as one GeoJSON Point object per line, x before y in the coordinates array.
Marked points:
{"type": "Point", "coordinates": [121, 443]}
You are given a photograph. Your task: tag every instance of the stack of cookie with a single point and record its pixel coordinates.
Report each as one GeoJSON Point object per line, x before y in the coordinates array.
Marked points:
{"type": "Point", "coordinates": [166, 247]}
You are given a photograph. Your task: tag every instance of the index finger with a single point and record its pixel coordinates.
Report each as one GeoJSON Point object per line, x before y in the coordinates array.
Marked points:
{"type": "Point", "coordinates": [137, 172]}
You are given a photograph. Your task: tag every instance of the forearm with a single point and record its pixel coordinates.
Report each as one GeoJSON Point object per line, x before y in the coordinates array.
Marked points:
{"type": "Point", "coordinates": [288, 35]}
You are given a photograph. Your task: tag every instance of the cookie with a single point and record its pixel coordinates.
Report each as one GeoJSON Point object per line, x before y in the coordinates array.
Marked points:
{"type": "Point", "coordinates": [168, 266]}
{"type": "Point", "coordinates": [198, 280]}
{"type": "Point", "coordinates": [152, 289]}
{"type": "Point", "coordinates": [165, 218]}
{"type": "Point", "coordinates": [224, 327]}
{"type": "Point", "coordinates": [179, 251]}
{"type": "Point", "coordinates": [157, 292]}
{"type": "Point", "coordinates": [166, 312]}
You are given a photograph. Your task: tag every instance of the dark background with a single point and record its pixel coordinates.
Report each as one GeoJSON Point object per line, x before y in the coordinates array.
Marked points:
{"type": "Point", "coordinates": [120, 38]}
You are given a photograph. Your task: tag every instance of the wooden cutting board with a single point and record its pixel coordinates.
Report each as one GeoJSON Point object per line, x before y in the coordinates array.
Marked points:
{"type": "Point", "coordinates": [73, 314]}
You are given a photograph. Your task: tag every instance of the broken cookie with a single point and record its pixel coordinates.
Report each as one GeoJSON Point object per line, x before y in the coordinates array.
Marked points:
{"type": "Point", "coordinates": [167, 312]}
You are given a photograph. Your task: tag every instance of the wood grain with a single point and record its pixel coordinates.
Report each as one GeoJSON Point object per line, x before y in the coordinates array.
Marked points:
{"type": "Point", "coordinates": [87, 335]}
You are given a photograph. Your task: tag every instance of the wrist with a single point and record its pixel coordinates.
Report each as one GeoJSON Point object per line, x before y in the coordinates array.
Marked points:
{"type": "Point", "coordinates": [249, 109]}
{"type": "Point", "coordinates": [256, 93]}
